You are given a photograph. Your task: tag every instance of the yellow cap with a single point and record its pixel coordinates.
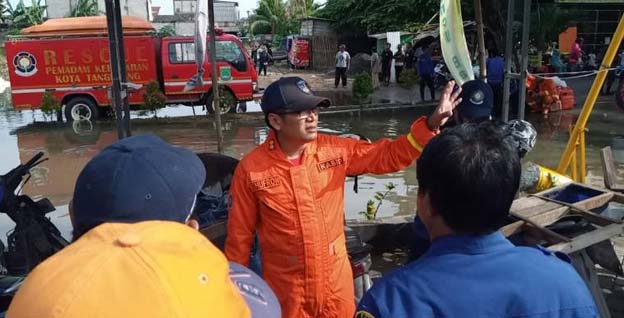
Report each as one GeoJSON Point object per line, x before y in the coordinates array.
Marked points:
{"type": "Point", "coordinates": [149, 269]}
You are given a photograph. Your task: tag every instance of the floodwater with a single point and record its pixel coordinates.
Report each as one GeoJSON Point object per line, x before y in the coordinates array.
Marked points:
{"type": "Point", "coordinates": [69, 147]}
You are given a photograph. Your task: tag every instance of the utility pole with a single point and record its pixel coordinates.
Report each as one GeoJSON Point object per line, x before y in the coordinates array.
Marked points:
{"type": "Point", "coordinates": [508, 58]}
{"type": "Point", "coordinates": [118, 89]}
{"type": "Point", "coordinates": [524, 52]}
{"type": "Point", "coordinates": [480, 39]}
{"type": "Point", "coordinates": [216, 103]}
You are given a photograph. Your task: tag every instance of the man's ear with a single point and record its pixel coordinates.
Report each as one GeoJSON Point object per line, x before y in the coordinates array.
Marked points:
{"type": "Point", "coordinates": [193, 224]}
{"type": "Point", "coordinates": [275, 120]}
{"type": "Point", "coordinates": [424, 205]}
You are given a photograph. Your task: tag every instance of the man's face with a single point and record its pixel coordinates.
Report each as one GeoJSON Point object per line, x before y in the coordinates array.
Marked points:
{"type": "Point", "coordinates": [299, 126]}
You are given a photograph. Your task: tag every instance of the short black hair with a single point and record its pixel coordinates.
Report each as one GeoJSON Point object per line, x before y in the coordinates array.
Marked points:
{"type": "Point", "coordinates": [471, 173]}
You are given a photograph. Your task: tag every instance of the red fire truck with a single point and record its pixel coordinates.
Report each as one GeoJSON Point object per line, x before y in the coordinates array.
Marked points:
{"type": "Point", "coordinates": [70, 59]}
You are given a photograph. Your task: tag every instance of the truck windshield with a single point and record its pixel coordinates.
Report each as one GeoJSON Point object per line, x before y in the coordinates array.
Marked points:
{"type": "Point", "coordinates": [227, 51]}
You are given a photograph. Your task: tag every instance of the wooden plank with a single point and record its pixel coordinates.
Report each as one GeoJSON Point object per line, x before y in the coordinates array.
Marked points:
{"type": "Point", "coordinates": [588, 239]}
{"type": "Point", "coordinates": [589, 215]}
{"type": "Point", "coordinates": [587, 270]}
{"type": "Point", "coordinates": [530, 206]}
{"type": "Point", "coordinates": [512, 228]}
{"type": "Point", "coordinates": [595, 202]}
{"type": "Point", "coordinates": [617, 197]}
{"type": "Point", "coordinates": [609, 170]}
{"type": "Point", "coordinates": [550, 236]}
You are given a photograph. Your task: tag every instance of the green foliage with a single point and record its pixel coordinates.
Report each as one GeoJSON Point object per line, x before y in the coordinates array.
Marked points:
{"type": "Point", "coordinates": [408, 79]}
{"type": "Point", "coordinates": [153, 98]}
{"type": "Point", "coordinates": [371, 208]}
{"type": "Point", "coordinates": [279, 17]}
{"type": "Point", "coordinates": [362, 86]}
{"type": "Point", "coordinates": [547, 23]}
{"type": "Point", "coordinates": [260, 27]}
{"type": "Point", "coordinates": [49, 104]}
{"type": "Point", "coordinates": [22, 16]}
{"type": "Point", "coordinates": [85, 8]}
{"type": "Point", "coordinates": [2, 10]}
{"type": "Point", "coordinates": [165, 31]}
{"type": "Point", "coordinates": [378, 15]}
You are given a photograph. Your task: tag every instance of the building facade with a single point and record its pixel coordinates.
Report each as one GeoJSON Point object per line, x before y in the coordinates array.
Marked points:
{"type": "Point", "coordinates": [136, 8]}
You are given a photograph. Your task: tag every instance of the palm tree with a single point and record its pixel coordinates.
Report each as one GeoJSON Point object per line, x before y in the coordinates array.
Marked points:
{"type": "Point", "coordinates": [301, 8]}
{"type": "Point", "coordinates": [269, 13]}
{"type": "Point", "coordinates": [22, 16]}
{"type": "Point", "coordinates": [2, 10]}
{"type": "Point", "coordinates": [84, 8]}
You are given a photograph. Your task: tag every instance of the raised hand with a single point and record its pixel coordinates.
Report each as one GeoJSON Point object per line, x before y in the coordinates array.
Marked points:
{"type": "Point", "coordinates": [446, 106]}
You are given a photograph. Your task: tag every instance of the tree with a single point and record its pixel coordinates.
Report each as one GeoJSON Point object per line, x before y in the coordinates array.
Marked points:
{"type": "Point", "coordinates": [22, 16]}
{"type": "Point", "coordinates": [165, 31]}
{"type": "Point", "coordinates": [269, 13]}
{"type": "Point", "coordinates": [272, 15]}
{"type": "Point", "coordinates": [547, 21]}
{"type": "Point", "coordinates": [301, 8]}
{"type": "Point", "coordinates": [2, 10]}
{"type": "Point", "coordinates": [378, 15]}
{"type": "Point", "coordinates": [84, 8]}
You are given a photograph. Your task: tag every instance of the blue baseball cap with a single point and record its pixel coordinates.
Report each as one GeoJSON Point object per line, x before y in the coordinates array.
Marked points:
{"type": "Point", "coordinates": [290, 94]}
{"type": "Point", "coordinates": [259, 297]}
{"type": "Point", "coordinates": [136, 179]}
{"type": "Point", "coordinates": [477, 100]}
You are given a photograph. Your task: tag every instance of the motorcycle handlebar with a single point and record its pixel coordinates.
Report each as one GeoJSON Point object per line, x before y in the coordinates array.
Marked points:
{"type": "Point", "coordinates": [13, 178]}
{"type": "Point", "coordinates": [33, 160]}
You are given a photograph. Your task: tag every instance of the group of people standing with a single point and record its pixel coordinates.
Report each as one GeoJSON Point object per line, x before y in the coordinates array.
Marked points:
{"type": "Point", "coordinates": [407, 58]}
{"type": "Point", "coordinates": [262, 56]}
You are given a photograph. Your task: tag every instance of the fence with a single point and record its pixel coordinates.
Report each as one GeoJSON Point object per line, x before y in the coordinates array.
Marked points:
{"type": "Point", "coordinates": [323, 52]}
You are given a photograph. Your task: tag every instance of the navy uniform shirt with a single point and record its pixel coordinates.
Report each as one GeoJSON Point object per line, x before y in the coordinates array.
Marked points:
{"type": "Point", "coordinates": [481, 276]}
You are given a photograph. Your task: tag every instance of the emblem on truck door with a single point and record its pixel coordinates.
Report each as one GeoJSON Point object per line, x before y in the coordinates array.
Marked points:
{"type": "Point", "coordinates": [25, 64]}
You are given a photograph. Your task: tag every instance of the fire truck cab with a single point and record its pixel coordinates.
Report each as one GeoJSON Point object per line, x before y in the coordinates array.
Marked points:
{"type": "Point", "coordinates": [69, 59]}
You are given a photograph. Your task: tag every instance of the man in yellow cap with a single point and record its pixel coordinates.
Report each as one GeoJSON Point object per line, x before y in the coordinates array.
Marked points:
{"type": "Point", "coordinates": [132, 254]}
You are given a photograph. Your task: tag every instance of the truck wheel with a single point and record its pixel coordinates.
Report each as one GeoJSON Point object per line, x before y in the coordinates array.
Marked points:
{"type": "Point", "coordinates": [227, 105]}
{"type": "Point", "coordinates": [81, 108]}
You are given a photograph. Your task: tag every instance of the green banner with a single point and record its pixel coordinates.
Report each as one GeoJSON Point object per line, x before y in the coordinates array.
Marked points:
{"type": "Point", "coordinates": [453, 42]}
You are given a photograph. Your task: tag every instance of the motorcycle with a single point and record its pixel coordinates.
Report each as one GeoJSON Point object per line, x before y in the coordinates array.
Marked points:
{"type": "Point", "coordinates": [211, 211]}
{"type": "Point", "coordinates": [361, 262]}
{"type": "Point", "coordinates": [34, 237]}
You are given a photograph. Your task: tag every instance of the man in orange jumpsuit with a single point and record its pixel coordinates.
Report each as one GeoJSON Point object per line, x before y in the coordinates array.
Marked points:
{"type": "Point", "coordinates": [290, 190]}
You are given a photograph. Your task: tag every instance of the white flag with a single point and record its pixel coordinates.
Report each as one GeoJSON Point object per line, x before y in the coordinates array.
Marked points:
{"type": "Point", "coordinates": [201, 27]}
{"type": "Point", "coordinates": [453, 41]}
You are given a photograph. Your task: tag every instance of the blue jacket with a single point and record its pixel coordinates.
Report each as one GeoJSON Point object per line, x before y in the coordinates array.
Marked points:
{"type": "Point", "coordinates": [425, 65]}
{"type": "Point", "coordinates": [495, 70]}
{"type": "Point", "coordinates": [481, 276]}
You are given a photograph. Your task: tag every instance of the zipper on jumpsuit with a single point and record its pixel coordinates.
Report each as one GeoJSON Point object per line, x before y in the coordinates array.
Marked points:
{"type": "Point", "coordinates": [308, 213]}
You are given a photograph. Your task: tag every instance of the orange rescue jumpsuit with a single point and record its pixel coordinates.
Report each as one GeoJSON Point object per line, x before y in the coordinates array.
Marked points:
{"type": "Point", "coordinates": [298, 212]}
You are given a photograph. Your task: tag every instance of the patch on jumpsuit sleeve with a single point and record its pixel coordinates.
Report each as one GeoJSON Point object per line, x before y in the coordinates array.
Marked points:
{"type": "Point", "coordinates": [331, 163]}
{"type": "Point", "coordinates": [266, 183]}
{"type": "Point", "coordinates": [363, 314]}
